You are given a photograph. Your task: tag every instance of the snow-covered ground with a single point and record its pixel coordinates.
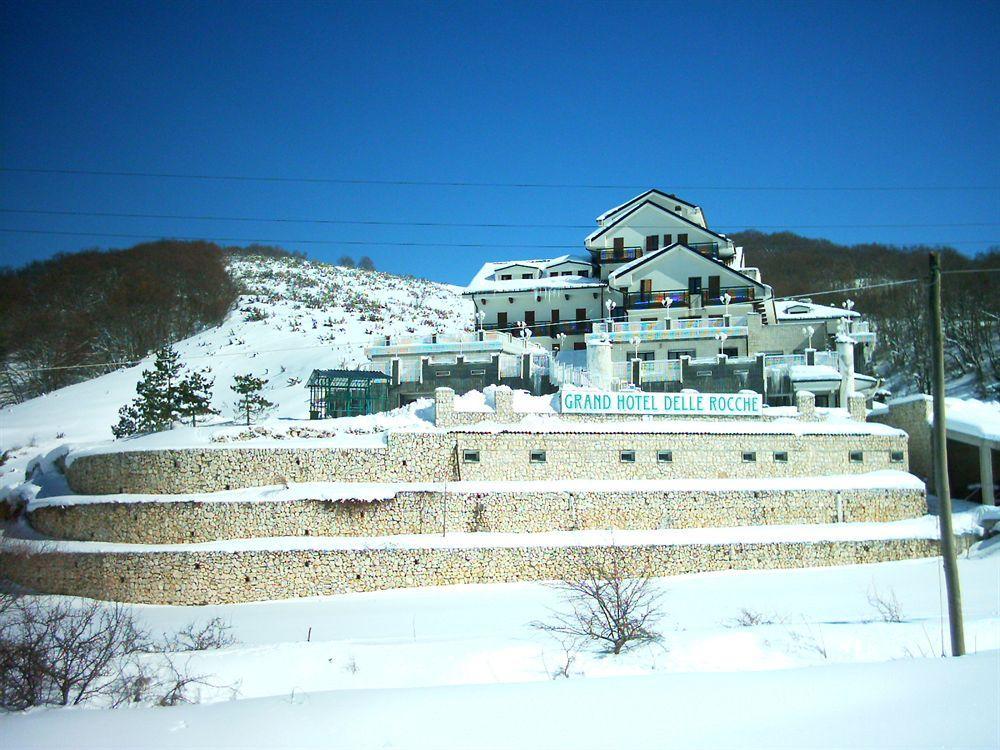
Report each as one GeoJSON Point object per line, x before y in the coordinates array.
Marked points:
{"type": "Point", "coordinates": [462, 667]}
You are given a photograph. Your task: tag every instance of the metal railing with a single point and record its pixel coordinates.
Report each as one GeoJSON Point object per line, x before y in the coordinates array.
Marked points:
{"type": "Point", "coordinates": [660, 370]}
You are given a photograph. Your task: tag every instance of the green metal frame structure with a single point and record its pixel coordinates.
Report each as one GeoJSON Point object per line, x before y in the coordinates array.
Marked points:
{"type": "Point", "coordinates": [347, 393]}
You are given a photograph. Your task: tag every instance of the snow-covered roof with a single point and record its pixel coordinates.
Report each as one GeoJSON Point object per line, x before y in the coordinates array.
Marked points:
{"type": "Point", "coordinates": [968, 416]}
{"type": "Point", "coordinates": [793, 309]}
{"type": "Point", "coordinates": [484, 280]}
{"type": "Point", "coordinates": [813, 373]}
{"type": "Point", "coordinates": [640, 196]}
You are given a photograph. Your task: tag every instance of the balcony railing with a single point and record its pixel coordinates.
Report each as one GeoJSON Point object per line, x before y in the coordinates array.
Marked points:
{"type": "Point", "coordinates": [620, 255]}
{"type": "Point", "coordinates": [653, 298]}
{"type": "Point", "coordinates": [545, 327]}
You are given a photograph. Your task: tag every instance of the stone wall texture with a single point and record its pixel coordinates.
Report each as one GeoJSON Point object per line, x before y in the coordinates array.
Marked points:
{"type": "Point", "coordinates": [503, 455]}
{"type": "Point", "coordinates": [202, 577]}
{"type": "Point", "coordinates": [428, 512]}
{"type": "Point", "coordinates": [914, 418]}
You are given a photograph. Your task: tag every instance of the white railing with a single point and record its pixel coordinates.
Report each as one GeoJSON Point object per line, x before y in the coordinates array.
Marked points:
{"type": "Point", "coordinates": [773, 360]}
{"type": "Point", "coordinates": [660, 370]}
{"type": "Point", "coordinates": [510, 366]}
{"type": "Point", "coordinates": [700, 323]}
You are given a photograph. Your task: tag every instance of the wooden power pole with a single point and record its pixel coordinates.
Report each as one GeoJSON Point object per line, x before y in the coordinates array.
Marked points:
{"type": "Point", "coordinates": [940, 444]}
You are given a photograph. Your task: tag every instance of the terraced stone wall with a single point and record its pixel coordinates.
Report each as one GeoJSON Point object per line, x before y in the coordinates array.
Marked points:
{"type": "Point", "coordinates": [198, 578]}
{"type": "Point", "coordinates": [422, 512]}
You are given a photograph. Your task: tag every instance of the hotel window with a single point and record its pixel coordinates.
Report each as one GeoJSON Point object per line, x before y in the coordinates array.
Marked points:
{"type": "Point", "coordinates": [749, 457]}
{"type": "Point", "coordinates": [470, 457]}
{"type": "Point", "coordinates": [538, 457]}
{"type": "Point", "coordinates": [443, 374]}
{"type": "Point", "coordinates": [781, 457]}
{"type": "Point", "coordinates": [477, 372]}
{"type": "Point", "coordinates": [627, 457]}
{"type": "Point", "coordinates": [651, 242]}
{"type": "Point", "coordinates": [682, 238]}
{"type": "Point", "coordinates": [896, 457]}
{"type": "Point", "coordinates": [505, 277]}
{"type": "Point", "coordinates": [583, 273]}
{"type": "Point", "coordinates": [665, 457]}
{"type": "Point", "coordinates": [579, 346]}
{"type": "Point", "coordinates": [527, 276]}
{"type": "Point", "coordinates": [857, 457]}
{"type": "Point", "coordinates": [668, 239]}
{"type": "Point", "coordinates": [567, 273]}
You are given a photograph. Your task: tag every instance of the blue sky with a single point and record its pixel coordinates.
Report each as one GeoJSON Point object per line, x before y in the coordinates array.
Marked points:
{"type": "Point", "coordinates": [687, 97]}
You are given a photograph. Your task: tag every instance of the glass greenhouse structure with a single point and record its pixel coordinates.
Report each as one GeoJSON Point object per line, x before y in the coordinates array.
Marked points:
{"type": "Point", "coordinates": [347, 393]}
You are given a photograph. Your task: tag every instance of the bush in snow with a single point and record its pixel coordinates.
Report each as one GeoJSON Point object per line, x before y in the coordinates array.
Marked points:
{"type": "Point", "coordinates": [366, 263]}
{"type": "Point", "coordinates": [251, 403]}
{"type": "Point", "coordinates": [608, 604]}
{"type": "Point", "coordinates": [64, 654]}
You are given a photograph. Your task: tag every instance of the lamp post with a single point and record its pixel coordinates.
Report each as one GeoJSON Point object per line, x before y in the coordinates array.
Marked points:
{"type": "Point", "coordinates": [721, 338]}
{"type": "Point", "coordinates": [635, 342]}
{"type": "Point", "coordinates": [610, 304]}
{"type": "Point", "coordinates": [560, 337]}
{"type": "Point", "coordinates": [809, 331]}
{"type": "Point", "coordinates": [726, 299]}
{"type": "Point", "coordinates": [480, 317]}
{"type": "Point", "coordinates": [849, 306]}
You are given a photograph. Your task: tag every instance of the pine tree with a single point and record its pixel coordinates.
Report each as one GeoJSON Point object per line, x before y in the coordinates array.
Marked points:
{"type": "Point", "coordinates": [195, 391]}
{"type": "Point", "coordinates": [159, 401]}
{"type": "Point", "coordinates": [251, 403]}
{"type": "Point", "coordinates": [366, 263]}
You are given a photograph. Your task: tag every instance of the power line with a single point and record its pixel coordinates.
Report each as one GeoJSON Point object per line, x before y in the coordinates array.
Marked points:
{"type": "Point", "coordinates": [396, 243]}
{"type": "Point", "coordinates": [471, 184]}
{"type": "Point", "coordinates": [509, 329]}
{"type": "Point", "coordinates": [461, 225]}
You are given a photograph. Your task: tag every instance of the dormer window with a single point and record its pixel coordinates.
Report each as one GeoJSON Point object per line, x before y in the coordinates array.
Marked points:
{"type": "Point", "coordinates": [797, 309]}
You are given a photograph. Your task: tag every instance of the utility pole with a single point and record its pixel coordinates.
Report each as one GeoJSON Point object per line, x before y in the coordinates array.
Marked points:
{"type": "Point", "coordinates": [940, 444]}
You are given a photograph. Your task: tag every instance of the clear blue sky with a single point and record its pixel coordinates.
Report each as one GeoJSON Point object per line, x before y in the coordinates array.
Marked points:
{"type": "Point", "coordinates": [686, 97]}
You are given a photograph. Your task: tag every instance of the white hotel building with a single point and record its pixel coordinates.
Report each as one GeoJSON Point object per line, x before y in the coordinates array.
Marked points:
{"type": "Point", "coordinates": [660, 286]}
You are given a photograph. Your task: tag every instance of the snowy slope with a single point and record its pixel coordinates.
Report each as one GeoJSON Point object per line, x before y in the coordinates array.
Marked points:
{"type": "Point", "coordinates": [315, 316]}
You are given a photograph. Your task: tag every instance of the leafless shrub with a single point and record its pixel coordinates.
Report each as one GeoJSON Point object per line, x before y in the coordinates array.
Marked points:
{"type": "Point", "coordinates": [886, 605]}
{"type": "Point", "coordinates": [570, 648]}
{"type": "Point", "coordinates": [810, 641]}
{"type": "Point", "coordinates": [608, 604]}
{"type": "Point", "coordinates": [748, 618]}
{"type": "Point", "coordinates": [352, 666]}
{"type": "Point", "coordinates": [60, 653]}
{"type": "Point", "coordinates": [214, 634]}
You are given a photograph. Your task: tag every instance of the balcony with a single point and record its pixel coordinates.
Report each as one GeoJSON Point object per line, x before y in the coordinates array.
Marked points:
{"type": "Point", "coordinates": [669, 330]}
{"type": "Point", "coordinates": [620, 255]}
{"type": "Point", "coordinates": [656, 298]}
{"type": "Point", "coordinates": [545, 327]}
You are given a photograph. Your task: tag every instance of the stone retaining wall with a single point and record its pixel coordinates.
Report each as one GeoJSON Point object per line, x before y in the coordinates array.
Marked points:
{"type": "Point", "coordinates": [507, 454]}
{"type": "Point", "coordinates": [421, 512]}
{"type": "Point", "coordinates": [198, 578]}
{"type": "Point", "coordinates": [503, 455]}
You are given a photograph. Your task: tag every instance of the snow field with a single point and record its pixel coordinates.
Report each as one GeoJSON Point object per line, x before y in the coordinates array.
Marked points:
{"type": "Point", "coordinates": [461, 667]}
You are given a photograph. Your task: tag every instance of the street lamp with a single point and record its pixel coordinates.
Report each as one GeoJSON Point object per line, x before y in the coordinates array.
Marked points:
{"type": "Point", "coordinates": [635, 342]}
{"type": "Point", "coordinates": [726, 299]}
{"type": "Point", "coordinates": [610, 304]}
{"type": "Point", "coordinates": [560, 337]}
{"type": "Point", "coordinates": [480, 317]}
{"type": "Point", "coordinates": [721, 338]}
{"type": "Point", "coordinates": [809, 331]}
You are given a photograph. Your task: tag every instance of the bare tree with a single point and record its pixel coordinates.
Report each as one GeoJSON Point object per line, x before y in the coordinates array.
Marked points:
{"type": "Point", "coordinates": [608, 603]}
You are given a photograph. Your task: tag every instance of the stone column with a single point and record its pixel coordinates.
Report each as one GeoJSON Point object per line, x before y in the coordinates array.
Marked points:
{"type": "Point", "coordinates": [986, 473]}
{"type": "Point", "coordinates": [805, 403]}
{"type": "Point", "coordinates": [856, 407]}
{"type": "Point", "coordinates": [504, 404]}
{"type": "Point", "coordinates": [444, 407]}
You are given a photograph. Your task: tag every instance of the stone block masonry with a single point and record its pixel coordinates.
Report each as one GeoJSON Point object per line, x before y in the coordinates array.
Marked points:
{"type": "Point", "coordinates": [208, 577]}
{"type": "Point", "coordinates": [504, 453]}
{"type": "Point", "coordinates": [541, 509]}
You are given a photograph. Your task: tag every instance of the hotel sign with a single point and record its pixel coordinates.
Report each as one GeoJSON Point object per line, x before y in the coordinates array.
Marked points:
{"type": "Point", "coordinates": [688, 404]}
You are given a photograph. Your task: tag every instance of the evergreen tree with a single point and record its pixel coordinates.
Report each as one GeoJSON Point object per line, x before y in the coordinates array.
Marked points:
{"type": "Point", "coordinates": [196, 396]}
{"type": "Point", "coordinates": [251, 403]}
{"type": "Point", "coordinates": [165, 394]}
{"type": "Point", "coordinates": [366, 263]}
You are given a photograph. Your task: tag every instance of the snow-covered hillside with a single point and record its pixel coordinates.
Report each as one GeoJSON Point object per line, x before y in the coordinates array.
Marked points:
{"type": "Point", "coordinates": [295, 316]}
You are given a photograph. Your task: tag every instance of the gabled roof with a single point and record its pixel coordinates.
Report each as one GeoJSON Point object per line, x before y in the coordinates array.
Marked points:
{"type": "Point", "coordinates": [640, 197]}
{"type": "Point", "coordinates": [632, 265]}
{"type": "Point", "coordinates": [484, 283]}
{"type": "Point", "coordinates": [594, 235]}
